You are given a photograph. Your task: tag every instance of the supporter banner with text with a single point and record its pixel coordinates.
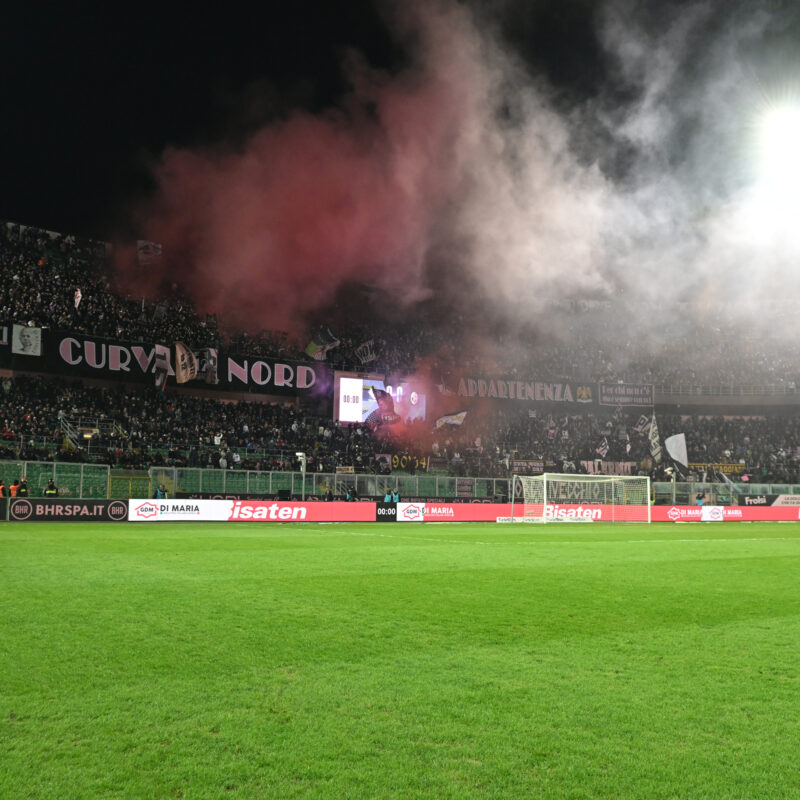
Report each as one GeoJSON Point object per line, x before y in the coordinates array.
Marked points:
{"type": "Point", "coordinates": [527, 466]}
{"type": "Point", "coordinates": [728, 469]}
{"type": "Point", "coordinates": [566, 392]}
{"type": "Point", "coordinates": [598, 467]}
{"type": "Point", "coordinates": [625, 394]}
{"type": "Point", "coordinates": [91, 357]}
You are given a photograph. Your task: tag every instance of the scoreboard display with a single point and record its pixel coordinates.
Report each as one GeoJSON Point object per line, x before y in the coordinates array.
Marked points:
{"type": "Point", "coordinates": [365, 397]}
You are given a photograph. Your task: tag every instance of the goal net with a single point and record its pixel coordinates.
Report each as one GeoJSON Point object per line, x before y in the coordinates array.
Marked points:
{"type": "Point", "coordinates": [580, 498]}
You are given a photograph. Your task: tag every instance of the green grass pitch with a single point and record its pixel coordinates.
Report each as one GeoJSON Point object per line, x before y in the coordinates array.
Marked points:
{"type": "Point", "coordinates": [399, 661]}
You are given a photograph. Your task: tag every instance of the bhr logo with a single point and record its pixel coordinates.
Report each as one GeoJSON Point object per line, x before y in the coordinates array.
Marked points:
{"type": "Point", "coordinates": [117, 510]}
{"type": "Point", "coordinates": [21, 509]}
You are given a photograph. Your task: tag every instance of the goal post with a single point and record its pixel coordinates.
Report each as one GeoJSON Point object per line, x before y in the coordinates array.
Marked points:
{"type": "Point", "coordinates": [554, 497]}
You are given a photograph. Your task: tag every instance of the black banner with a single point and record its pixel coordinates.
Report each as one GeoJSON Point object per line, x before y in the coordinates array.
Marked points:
{"type": "Point", "coordinates": [626, 394]}
{"type": "Point", "coordinates": [790, 500]}
{"type": "Point", "coordinates": [67, 510]}
{"type": "Point", "coordinates": [72, 354]}
{"type": "Point", "coordinates": [756, 499]}
{"type": "Point", "coordinates": [310, 497]}
{"type": "Point", "coordinates": [537, 391]}
{"type": "Point", "coordinates": [386, 512]}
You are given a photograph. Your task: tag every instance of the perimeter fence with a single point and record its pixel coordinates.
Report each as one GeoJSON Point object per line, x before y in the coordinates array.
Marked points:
{"type": "Point", "coordinates": [71, 480]}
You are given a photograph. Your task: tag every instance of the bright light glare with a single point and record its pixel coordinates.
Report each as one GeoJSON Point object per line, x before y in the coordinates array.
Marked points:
{"type": "Point", "coordinates": [780, 147]}
{"type": "Point", "coordinates": [773, 207]}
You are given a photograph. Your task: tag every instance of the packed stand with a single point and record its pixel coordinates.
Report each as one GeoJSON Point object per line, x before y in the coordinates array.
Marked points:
{"type": "Point", "coordinates": [136, 429]}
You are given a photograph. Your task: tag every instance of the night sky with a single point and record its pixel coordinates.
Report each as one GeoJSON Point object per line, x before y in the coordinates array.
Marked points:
{"type": "Point", "coordinates": [89, 99]}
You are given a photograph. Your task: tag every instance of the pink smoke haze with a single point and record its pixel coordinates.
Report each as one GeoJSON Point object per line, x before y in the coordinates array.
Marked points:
{"type": "Point", "coordinates": [267, 233]}
{"type": "Point", "coordinates": [464, 179]}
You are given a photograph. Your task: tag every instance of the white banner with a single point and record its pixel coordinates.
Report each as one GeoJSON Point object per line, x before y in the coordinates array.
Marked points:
{"type": "Point", "coordinates": [712, 514]}
{"type": "Point", "coordinates": [450, 419]}
{"type": "Point", "coordinates": [177, 510]}
{"type": "Point", "coordinates": [676, 448]}
{"type": "Point", "coordinates": [410, 512]}
{"type": "Point", "coordinates": [185, 363]}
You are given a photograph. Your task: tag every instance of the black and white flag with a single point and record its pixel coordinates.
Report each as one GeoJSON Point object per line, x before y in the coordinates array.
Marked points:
{"type": "Point", "coordinates": [655, 441]}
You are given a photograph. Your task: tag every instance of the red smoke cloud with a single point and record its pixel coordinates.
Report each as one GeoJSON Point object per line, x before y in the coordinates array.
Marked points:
{"type": "Point", "coordinates": [267, 233]}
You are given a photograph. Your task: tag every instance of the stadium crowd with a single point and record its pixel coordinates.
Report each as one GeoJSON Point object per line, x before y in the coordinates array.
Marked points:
{"type": "Point", "coordinates": [41, 273]}
{"type": "Point", "coordinates": [134, 429]}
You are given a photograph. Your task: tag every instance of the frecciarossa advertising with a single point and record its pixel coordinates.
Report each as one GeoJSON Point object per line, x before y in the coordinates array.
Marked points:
{"type": "Point", "coordinates": [93, 357]}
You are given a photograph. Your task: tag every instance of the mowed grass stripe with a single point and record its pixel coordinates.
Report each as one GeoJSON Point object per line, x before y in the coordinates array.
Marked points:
{"type": "Point", "coordinates": [302, 661]}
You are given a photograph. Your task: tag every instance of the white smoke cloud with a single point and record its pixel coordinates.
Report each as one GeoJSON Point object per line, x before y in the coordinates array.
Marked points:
{"type": "Point", "coordinates": [678, 236]}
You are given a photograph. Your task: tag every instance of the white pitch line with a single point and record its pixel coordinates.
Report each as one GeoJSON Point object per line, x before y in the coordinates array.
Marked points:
{"type": "Point", "coordinates": [444, 540]}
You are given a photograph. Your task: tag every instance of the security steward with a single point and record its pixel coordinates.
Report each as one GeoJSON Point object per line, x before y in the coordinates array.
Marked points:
{"type": "Point", "coordinates": [23, 488]}
{"type": "Point", "coordinates": [50, 490]}
{"type": "Point", "coordinates": [3, 490]}
{"type": "Point", "coordinates": [14, 488]}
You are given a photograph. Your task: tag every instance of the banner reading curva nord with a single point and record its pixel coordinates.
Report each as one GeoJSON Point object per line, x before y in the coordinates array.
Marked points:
{"type": "Point", "coordinates": [72, 354]}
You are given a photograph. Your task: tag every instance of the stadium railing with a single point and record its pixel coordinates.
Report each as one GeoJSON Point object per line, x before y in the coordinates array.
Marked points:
{"type": "Point", "coordinates": [71, 480]}
{"type": "Point", "coordinates": [218, 481]}
{"type": "Point", "coordinates": [726, 390]}
{"type": "Point", "coordinates": [297, 484]}
{"type": "Point", "coordinates": [723, 494]}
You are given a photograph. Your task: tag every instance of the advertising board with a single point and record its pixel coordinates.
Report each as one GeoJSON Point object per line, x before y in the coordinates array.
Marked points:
{"type": "Point", "coordinates": [248, 511]}
{"type": "Point", "coordinates": [39, 509]}
{"type": "Point", "coordinates": [725, 514]}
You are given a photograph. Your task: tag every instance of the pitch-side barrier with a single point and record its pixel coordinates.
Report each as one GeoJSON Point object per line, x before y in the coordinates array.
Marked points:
{"type": "Point", "coordinates": [237, 510]}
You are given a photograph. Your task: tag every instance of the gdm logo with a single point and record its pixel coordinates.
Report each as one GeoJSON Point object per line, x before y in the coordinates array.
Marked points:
{"type": "Point", "coordinates": [413, 511]}
{"type": "Point", "coordinates": [674, 513]}
{"type": "Point", "coordinates": [146, 510]}
{"type": "Point", "coordinates": [21, 509]}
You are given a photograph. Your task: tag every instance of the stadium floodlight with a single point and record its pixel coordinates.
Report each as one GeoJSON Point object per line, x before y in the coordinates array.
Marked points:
{"type": "Point", "coordinates": [773, 205]}
{"type": "Point", "coordinates": [779, 162]}
{"type": "Point", "coordinates": [778, 146]}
